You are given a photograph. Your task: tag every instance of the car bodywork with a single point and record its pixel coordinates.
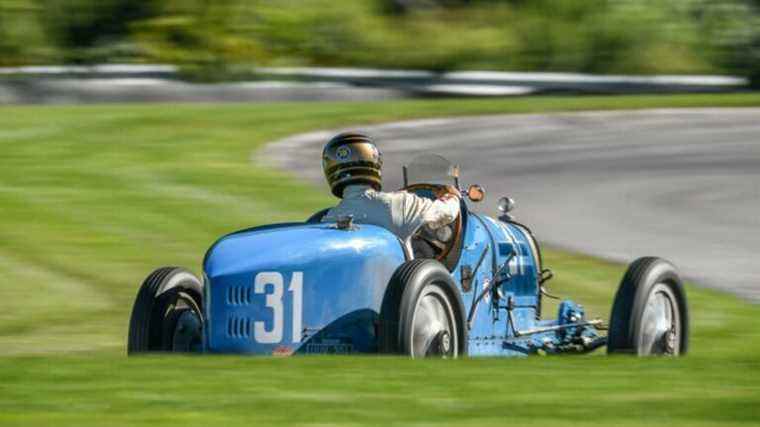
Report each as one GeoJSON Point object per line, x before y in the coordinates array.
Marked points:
{"type": "Point", "coordinates": [319, 288]}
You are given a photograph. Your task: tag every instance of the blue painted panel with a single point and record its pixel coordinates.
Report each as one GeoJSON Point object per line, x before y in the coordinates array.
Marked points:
{"type": "Point", "coordinates": [343, 277]}
{"type": "Point", "coordinates": [476, 240]}
{"type": "Point", "coordinates": [490, 330]}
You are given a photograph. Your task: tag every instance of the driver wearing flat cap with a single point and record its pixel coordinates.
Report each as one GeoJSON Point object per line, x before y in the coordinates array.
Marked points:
{"type": "Point", "coordinates": [352, 165]}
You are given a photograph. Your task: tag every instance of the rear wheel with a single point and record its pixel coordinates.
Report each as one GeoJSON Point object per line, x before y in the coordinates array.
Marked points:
{"type": "Point", "coordinates": [650, 315]}
{"type": "Point", "coordinates": [421, 314]}
{"type": "Point", "coordinates": [167, 313]}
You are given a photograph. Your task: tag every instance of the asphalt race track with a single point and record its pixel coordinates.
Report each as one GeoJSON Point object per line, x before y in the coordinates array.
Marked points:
{"type": "Point", "coordinates": [681, 184]}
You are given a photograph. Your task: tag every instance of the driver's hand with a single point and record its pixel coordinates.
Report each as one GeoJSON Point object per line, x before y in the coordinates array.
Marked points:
{"type": "Point", "coordinates": [449, 190]}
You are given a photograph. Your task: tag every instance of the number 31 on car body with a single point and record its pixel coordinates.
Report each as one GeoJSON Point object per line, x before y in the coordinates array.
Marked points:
{"type": "Point", "coordinates": [274, 301]}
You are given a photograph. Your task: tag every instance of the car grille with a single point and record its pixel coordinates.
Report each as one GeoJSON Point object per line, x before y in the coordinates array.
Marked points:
{"type": "Point", "coordinates": [239, 294]}
{"type": "Point", "coordinates": [239, 327]}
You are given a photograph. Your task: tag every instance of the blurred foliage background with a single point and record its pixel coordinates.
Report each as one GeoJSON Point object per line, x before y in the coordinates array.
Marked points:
{"type": "Point", "coordinates": [215, 39]}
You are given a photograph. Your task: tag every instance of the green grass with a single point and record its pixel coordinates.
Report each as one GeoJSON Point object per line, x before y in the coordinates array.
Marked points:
{"type": "Point", "coordinates": [233, 391]}
{"type": "Point", "coordinates": [93, 198]}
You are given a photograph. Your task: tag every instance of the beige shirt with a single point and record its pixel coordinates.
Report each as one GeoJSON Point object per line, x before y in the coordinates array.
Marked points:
{"type": "Point", "coordinates": [400, 212]}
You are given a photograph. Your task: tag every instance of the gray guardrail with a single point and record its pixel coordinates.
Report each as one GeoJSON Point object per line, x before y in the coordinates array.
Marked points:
{"type": "Point", "coordinates": [505, 83]}
{"type": "Point", "coordinates": [92, 71]}
{"type": "Point", "coordinates": [161, 82]}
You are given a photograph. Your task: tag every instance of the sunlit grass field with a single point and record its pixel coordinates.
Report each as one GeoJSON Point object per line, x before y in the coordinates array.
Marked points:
{"type": "Point", "coordinates": [93, 198]}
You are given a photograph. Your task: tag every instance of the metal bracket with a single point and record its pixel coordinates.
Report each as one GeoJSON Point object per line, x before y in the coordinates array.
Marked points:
{"type": "Point", "coordinates": [468, 273]}
{"type": "Point", "coordinates": [467, 276]}
{"type": "Point", "coordinates": [345, 222]}
{"type": "Point", "coordinates": [545, 276]}
{"type": "Point", "coordinates": [494, 284]}
{"type": "Point", "coordinates": [517, 333]}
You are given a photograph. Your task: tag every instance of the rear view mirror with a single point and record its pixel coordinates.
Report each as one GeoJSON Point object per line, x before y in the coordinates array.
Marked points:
{"type": "Point", "coordinates": [476, 193]}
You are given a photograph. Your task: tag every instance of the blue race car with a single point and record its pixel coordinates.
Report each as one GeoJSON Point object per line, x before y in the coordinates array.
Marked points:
{"type": "Point", "coordinates": [473, 288]}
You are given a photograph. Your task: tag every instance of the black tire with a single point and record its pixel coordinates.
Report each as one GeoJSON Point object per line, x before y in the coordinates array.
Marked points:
{"type": "Point", "coordinates": [167, 297]}
{"type": "Point", "coordinates": [651, 286]}
{"type": "Point", "coordinates": [411, 282]}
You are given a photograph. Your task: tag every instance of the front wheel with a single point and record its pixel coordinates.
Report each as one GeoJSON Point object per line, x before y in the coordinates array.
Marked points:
{"type": "Point", "coordinates": [167, 313]}
{"type": "Point", "coordinates": [421, 314]}
{"type": "Point", "coordinates": [649, 315]}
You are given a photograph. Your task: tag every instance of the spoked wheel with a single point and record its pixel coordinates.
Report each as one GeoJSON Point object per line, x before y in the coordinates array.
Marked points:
{"type": "Point", "coordinates": [434, 329]}
{"type": "Point", "coordinates": [422, 315]}
{"type": "Point", "coordinates": [660, 323]}
{"type": "Point", "coordinates": [167, 314]}
{"type": "Point", "coordinates": [649, 315]}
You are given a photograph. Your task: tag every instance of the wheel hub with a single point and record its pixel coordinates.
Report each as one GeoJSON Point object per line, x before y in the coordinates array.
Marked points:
{"type": "Point", "coordinates": [433, 326]}
{"type": "Point", "coordinates": [660, 324]}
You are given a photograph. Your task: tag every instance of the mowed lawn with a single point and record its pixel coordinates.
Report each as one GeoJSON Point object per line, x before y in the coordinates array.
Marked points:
{"type": "Point", "coordinates": [93, 198]}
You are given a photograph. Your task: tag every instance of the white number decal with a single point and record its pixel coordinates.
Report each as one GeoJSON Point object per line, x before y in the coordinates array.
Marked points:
{"type": "Point", "coordinates": [274, 301]}
{"type": "Point", "coordinates": [296, 287]}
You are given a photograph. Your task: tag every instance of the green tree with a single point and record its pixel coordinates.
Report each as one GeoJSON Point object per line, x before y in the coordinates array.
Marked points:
{"type": "Point", "coordinates": [95, 30]}
{"type": "Point", "coordinates": [23, 39]}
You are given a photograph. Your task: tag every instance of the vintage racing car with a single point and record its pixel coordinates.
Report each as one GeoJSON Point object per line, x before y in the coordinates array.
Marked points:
{"type": "Point", "coordinates": [472, 288]}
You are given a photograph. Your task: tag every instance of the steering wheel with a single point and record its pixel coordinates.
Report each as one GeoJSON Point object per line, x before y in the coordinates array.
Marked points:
{"type": "Point", "coordinates": [441, 249]}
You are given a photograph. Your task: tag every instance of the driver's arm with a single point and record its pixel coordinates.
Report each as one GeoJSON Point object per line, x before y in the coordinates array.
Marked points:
{"type": "Point", "coordinates": [412, 211]}
{"type": "Point", "coordinates": [443, 210]}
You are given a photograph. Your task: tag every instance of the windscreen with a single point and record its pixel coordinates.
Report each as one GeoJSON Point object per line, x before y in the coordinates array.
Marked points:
{"type": "Point", "coordinates": [430, 169]}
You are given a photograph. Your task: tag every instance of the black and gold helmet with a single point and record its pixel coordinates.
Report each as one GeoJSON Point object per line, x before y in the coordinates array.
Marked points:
{"type": "Point", "coordinates": [351, 158]}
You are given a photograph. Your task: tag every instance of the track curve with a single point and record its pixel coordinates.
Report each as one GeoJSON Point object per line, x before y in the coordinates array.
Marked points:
{"type": "Point", "coordinates": [683, 184]}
